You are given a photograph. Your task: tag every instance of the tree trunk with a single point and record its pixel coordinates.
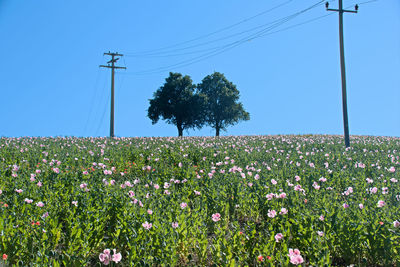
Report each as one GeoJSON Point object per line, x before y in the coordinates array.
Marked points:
{"type": "Point", "coordinates": [217, 131]}
{"type": "Point", "coordinates": [180, 130]}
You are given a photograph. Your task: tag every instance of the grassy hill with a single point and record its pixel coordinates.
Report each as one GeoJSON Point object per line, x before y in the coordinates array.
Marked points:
{"type": "Point", "coordinates": [200, 201]}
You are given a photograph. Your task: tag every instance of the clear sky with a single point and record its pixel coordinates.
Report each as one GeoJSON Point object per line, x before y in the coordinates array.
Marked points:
{"type": "Point", "coordinates": [289, 78]}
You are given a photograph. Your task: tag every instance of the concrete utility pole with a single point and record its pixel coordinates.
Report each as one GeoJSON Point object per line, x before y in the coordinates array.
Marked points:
{"type": "Point", "coordinates": [112, 67]}
{"type": "Point", "coordinates": [342, 66]}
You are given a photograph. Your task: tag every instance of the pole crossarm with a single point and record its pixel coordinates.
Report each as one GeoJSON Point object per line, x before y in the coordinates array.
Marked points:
{"type": "Point", "coordinates": [113, 54]}
{"type": "Point", "coordinates": [110, 67]}
{"type": "Point", "coordinates": [343, 10]}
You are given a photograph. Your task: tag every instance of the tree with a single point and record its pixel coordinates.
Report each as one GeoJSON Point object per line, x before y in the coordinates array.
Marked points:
{"type": "Point", "coordinates": [221, 106]}
{"type": "Point", "coordinates": [177, 103]}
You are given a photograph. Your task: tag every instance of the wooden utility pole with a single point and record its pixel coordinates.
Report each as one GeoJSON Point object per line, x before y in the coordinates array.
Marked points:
{"type": "Point", "coordinates": [112, 67]}
{"type": "Point", "coordinates": [342, 67]}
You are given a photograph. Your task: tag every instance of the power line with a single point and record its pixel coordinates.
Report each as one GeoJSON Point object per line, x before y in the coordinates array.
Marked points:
{"type": "Point", "coordinates": [367, 2]}
{"type": "Point", "coordinates": [161, 54]}
{"type": "Point", "coordinates": [92, 101]}
{"type": "Point", "coordinates": [164, 53]}
{"type": "Point", "coordinates": [102, 116]}
{"type": "Point", "coordinates": [229, 46]}
{"type": "Point", "coordinates": [202, 57]}
{"type": "Point", "coordinates": [212, 33]}
{"type": "Point", "coordinates": [220, 49]}
{"type": "Point", "coordinates": [102, 97]}
{"type": "Point", "coordinates": [298, 24]}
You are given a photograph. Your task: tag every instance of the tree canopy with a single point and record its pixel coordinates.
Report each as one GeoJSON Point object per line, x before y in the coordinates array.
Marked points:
{"type": "Point", "coordinates": [221, 106]}
{"type": "Point", "coordinates": [177, 103]}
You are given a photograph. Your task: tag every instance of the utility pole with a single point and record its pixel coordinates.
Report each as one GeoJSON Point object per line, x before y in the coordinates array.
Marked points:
{"type": "Point", "coordinates": [342, 67]}
{"type": "Point", "coordinates": [112, 67]}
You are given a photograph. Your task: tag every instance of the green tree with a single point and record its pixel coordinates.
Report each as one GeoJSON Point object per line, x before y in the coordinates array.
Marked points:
{"type": "Point", "coordinates": [177, 103]}
{"type": "Point", "coordinates": [221, 106]}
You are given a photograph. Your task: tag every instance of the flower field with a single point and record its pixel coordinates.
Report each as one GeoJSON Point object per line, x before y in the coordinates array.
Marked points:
{"type": "Point", "coordinates": [204, 201]}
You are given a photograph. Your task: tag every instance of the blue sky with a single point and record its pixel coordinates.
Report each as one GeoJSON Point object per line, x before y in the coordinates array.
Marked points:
{"type": "Point", "coordinates": [289, 80]}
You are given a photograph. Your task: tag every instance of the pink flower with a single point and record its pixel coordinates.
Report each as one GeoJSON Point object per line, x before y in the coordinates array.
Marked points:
{"type": "Point", "coordinates": [381, 203]}
{"type": "Point", "coordinates": [83, 185]}
{"type": "Point", "coordinates": [396, 224]}
{"type": "Point", "coordinates": [105, 257]}
{"type": "Point", "coordinates": [27, 200]}
{"type": "Point", "coordinates": [45, 215]}
{"type": "Point", "coordinates": [19, 191]}
{"type": "Point", "coordinates": [39, 184]}
{"type": "Point", "coordinates": [350, 189]}
{"type": "Point", "coordinates": [316, 186]}
{"type": "Point", "coordinates": [391, 169]}
{"type": "Point", "coordinates": [271, 213]}
{"type": "Point", "coordinates": [295, 257]}
{"type": "Point", "coordinates": [116, 257]}
{"type": "Point", "coordinates": [75, 203]}
{"type": "Point", "coordinates": [175, 225]}
{"type": "Point", "coordinates": [149, 211]}
{"type": "Point", "coordinates": [216, 217]}
{"type": "Point", "coordinates": [40, 204]}
{"type": "Point", "coordinates": [183, 205]}
{"type": "Point", "coordinates": [283, 211]}
{"type": "Point", "coordinates": [278, 237]}
{"type": "Point", "coordinates": [385, 190]}
{"type": "Point", "coordinates": [320, 233]}
{"type": "Point", "coordinates": [147, 225]}
{"type": "Point", "coordinates": [273, 181]}
{"type": "Point", "coordinates": [297, 188]}
{"type": "Point", "coordinates": [282, 195]}
{"type": "Point", "coordinates": [270, 196]}
{"type": "Point", "coordinates": [361, 206]}
{"type": "Point", "coordinates": [345, 205]}
{"type": "Point", "coordinates": [321, 218]}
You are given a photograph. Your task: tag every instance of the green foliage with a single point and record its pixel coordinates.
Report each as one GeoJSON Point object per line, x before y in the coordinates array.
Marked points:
{"type": "Point", "coordinates": [222, 107]}
{"type": "Point", "coordinates": [98, 193]}
{"type": "Point", "coordinates": [177, 103]}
